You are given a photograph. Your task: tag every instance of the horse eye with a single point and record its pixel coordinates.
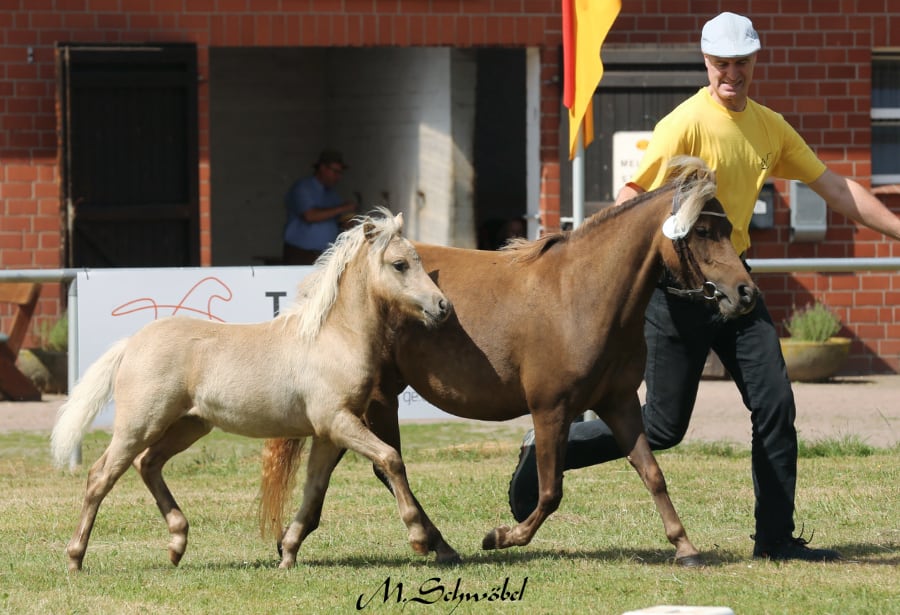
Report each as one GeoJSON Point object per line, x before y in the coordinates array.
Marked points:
{"type": "Point", "coordinates": [401, 266]}
{"type": "Point", "coordinates": [702, 231]}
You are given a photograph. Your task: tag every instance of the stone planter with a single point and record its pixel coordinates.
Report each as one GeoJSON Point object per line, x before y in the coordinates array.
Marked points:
{"type": "Point", "coordinates": [814, 361]}
{"type": "Point", "coordinates": [47, 369]}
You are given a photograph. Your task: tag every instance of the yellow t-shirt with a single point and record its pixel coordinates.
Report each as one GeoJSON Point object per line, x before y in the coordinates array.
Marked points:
{"type": "Point", "coordinates": [743, 148]}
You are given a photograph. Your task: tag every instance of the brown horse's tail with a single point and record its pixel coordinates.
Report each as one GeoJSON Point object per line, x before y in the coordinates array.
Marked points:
{"type": "Point", "coordinates": [280, 460]}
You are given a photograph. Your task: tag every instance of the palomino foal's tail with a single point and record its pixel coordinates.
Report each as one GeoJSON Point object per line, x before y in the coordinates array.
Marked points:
{"type": "Point", "coordinates": [280, 461]}
{"type": "Point", "coordinates": [85, 402]}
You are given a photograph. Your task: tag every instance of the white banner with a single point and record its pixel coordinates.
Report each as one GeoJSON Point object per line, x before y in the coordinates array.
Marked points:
{"type": "Point", "coordinates": [115, 303]}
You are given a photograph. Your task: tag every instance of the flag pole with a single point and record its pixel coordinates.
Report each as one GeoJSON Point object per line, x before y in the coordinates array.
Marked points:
{"type": "Point", "coordinates": [578, 179]}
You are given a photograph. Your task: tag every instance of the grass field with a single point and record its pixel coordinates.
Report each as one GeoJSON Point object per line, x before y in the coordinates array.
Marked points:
{"type": "Point", "coordinates": [603, 552]}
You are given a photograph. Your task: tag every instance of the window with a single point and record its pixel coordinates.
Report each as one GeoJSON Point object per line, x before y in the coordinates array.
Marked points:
{"type": "Point", "coordinates": [886, 118]}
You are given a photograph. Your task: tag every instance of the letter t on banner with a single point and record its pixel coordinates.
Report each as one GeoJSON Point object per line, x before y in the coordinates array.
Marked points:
{"type": "Point", "coordinates": [585, 26]}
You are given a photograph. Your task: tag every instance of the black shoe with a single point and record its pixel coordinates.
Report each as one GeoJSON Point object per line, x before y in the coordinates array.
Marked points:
{"type": "Point", "coordinates": [523, 486]}
{"type": "Point", "coordinates": [794, 548]}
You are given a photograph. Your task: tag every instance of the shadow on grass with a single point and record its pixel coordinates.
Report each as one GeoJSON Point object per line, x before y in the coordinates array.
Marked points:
{"type": "Point", "coordinates": [857, 553]}
{"type": "Point", "coordinates": [870, 554]}
{"type": "Point", "coordinates": [624, 556]}
{"type": "Point", "coordinates": [875, 555]}
{"type": "Point", "coordinates": [652, 557]}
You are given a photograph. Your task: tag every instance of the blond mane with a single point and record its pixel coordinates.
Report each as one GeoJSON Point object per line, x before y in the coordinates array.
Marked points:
{"type": "Point", "coordinates": [318, 292]}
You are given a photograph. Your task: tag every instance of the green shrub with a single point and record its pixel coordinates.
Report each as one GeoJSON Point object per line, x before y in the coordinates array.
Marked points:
{"type": "Point", "coordinates": [814, 323]}
{"type": "Point", "coordinates": [56, 336]}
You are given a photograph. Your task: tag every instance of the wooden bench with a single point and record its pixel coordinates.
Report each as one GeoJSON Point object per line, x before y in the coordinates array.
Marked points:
{"type": "Point", "coordinates": [15, 385]}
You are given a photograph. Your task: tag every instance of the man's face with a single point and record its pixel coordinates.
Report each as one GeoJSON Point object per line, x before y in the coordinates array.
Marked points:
{"type": "Point", "coordinates": [330, 174]}
{"type": "Point", "coordinates": [729, 79]}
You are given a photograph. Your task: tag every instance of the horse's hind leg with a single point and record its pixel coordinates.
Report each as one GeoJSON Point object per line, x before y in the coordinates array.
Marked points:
{"type": "Point", "coordinates": [381, 419]}
{"type": "Point", "coordinates": [550, 431]}
{"type": "Point", "coordinates": [347, 431]}
{"type": "Point", "coordinates": [101, 478]}
{"type": "Point", "coordinates": [324, 456]}
{"type": "Point", "coordinates": [149, 464]}
{"type": "Point", "coordinates": [628, 428]}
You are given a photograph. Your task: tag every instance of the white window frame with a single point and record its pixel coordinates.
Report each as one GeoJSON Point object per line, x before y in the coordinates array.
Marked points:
{"type": "Point", "coordinates": [885, 114]}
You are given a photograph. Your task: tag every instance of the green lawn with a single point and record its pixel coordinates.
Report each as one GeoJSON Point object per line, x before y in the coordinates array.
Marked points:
{"type": "Point", "coordinates": [603, 551]}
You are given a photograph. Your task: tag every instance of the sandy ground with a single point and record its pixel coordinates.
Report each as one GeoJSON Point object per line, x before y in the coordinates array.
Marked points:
{"type": "Point", "coordinates": [864, 406]}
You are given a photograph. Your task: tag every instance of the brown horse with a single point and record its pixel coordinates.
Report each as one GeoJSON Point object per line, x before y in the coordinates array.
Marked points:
{"type": "Point", "coordinates": [555, 327]}
{"type": "Point", "coordinates": [308, 372]}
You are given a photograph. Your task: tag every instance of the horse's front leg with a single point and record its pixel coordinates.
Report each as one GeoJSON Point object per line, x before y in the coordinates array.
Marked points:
{"type": "Point", "coordinates": [625, 421]}
{"type": "Point", "coordinates": [149, 464]}
{"type": "Point", "coordinates": [324, 456]}
{"type": "Point", "coordinates": [349, 432]}
{"type": "Point", "coordinates": [550, 431]}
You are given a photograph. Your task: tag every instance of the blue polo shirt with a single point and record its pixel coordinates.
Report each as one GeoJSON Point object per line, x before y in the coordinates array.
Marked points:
{"type": "Point", "coordinates": [305, 194]}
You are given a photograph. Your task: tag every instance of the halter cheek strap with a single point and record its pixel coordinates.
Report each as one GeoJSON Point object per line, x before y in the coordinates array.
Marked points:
{"type": "Point", "coordinates": [676, 232]}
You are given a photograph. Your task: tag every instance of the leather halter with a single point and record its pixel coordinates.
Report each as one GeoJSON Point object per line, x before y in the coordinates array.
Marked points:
{"type": "Point", "coordinates": [708, 291]}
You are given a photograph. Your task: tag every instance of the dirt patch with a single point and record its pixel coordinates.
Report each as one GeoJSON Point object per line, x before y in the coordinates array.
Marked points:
{"type": "Point", "coordinates": [862, 406]}
{"type": "Point", "coordinates": [30, 415]}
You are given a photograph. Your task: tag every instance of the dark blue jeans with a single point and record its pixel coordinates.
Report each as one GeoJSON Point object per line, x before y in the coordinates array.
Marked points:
{"type": "Point", "coordinates": [680, 334]}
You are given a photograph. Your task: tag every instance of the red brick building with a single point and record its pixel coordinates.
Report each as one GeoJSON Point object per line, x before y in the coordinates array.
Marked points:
{"type": "Point", "coordinates": [260, 71]}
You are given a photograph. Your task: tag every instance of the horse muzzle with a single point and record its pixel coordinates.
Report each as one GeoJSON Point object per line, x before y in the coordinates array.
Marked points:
{"type": "Point", "coordinates": [438, 313]}
{"type": "Point", "coordinates": [743, 303]}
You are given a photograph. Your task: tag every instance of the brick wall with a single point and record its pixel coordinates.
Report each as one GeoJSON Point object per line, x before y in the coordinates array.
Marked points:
{"type": "Point", "coordinates": [29, 29]}
{"type": "Point", "coordinates": [814, 68]}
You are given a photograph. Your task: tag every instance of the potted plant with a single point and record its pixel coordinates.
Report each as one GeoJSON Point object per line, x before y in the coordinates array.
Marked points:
{"type": "Point", "coordinates": [47, 365]}
{"type": "Point", "coordinates": [813, 352]}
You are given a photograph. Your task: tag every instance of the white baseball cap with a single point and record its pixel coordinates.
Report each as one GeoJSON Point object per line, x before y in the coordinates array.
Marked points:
{"type": "Point", "coordinates": [729, 36]}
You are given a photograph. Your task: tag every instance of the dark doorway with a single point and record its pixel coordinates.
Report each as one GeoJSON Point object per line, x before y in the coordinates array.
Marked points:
{"type": "Point", "coordinates": [129, 150]}
{"type": "Point", "coordinates": [499, 148]}
{"type": "Point", "coordinates": [639, 87]}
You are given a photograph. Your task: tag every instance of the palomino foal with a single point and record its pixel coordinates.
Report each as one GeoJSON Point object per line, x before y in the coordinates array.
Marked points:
{"type": "Point", "coordinates": [307, 373]}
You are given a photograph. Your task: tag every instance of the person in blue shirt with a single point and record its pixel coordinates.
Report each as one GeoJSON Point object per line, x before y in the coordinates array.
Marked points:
{"type": "Point", "coordinates": [315, 210]}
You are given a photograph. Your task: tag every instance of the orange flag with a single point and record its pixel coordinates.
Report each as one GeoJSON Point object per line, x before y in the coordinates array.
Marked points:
{"type": "Point", "coordinates": [585, 26]}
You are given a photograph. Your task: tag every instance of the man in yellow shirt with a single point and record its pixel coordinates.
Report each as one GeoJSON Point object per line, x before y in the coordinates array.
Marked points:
{"type": "Point", "coordinates": [744, 143]}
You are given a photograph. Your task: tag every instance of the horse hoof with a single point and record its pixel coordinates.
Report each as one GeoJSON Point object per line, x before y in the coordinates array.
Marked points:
{"type": "Point", "coordinates": [690, 561]}
{"type": "Point", "coordinates": [489, 541]}
{"type": "Point", "coordinates": [420, 549]}
{"type": "Point", "coordinates": [175, 556]}
{"type": "Point", "coordinates": [494, 538]}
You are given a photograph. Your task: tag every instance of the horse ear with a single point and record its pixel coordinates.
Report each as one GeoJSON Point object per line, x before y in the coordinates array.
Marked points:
{"type": "Point", "coordinates": [369, 230]}
{"type": "Point", "coordinates": [399, 220]}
